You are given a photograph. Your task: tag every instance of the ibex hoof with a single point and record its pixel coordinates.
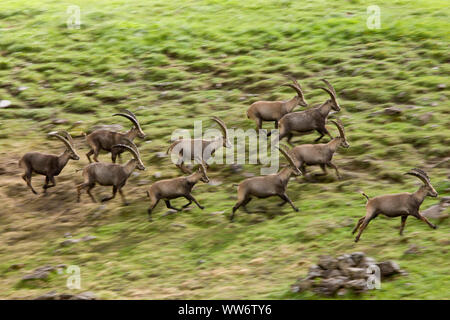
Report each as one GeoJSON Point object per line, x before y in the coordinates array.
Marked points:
{"type": "Point", "coordinates": [435, 227]}
{"type": "Point", "coordinates": [296, 210]}
{"type": "Point", "coordinates": [202, 207]}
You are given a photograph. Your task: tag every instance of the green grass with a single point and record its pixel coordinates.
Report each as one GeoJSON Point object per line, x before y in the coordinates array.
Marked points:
{"type": "Point", "coordinates": [174, 62]}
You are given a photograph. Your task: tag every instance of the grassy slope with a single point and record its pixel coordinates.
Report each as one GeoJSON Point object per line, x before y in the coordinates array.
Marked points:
{"type": "Point", "coordinates": [186, 60]}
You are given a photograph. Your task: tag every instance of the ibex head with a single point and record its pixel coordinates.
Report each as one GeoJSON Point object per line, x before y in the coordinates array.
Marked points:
{"type": "Point", "coordinates": [340, 127]}
{"type": "Point", "coordinates": [296, 86]}
{"type": "Point", "coordinates": [135, 152]}
{"type": "Point", "coordinates": [68, 142]}
{"type": "Point", "coordinates": [202, 170]}
{"type": "Point", "coordinates": [130, 116]}
{"type": "Point", "coordinates": [426, 181]}
{"type": "Point", "coordinates": [330, 90]}
{"type": "Point", "coordinates": [226, 143]}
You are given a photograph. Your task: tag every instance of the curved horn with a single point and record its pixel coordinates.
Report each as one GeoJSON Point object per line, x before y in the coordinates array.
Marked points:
{"type": "Point", "coordinates": [420, 174]}
{"type": "Point", "coordinates": [135, 153]}
{"type": "Point", "coordinates": [133, 120]}
{"type": "Point", "coordinates": [340, 127]}
{"type": "Point", "coordinates": [297, 89]}
{"type": "Point", "coordinates": [202, 168]}
{"type": "Point", "coordinates": [67, 135]}
{"type": "Point", "coordinates": [64, 140]}
{"type": "Point", "coordinates": [222, 125]}
{"type": "Point", "coordinates": [294, 81]}
{"type": "Point", "coordinates": [333, 97]}
{"type": "Point", "coordinates": [329, 86]}
{"type": "Point", "coordinates": [288, 158]}
{"type": "Point", "coordinates": [129, 112]}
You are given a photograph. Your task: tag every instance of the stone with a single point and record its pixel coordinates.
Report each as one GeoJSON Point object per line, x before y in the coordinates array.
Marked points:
{"type": "Point", "coordinates": [344, 262]}
{"type": "Point", "coordinates": [330, 286]}
{"type": "Point", "coordinates": [392, 111]}
{"type": "Point", "coordinates": [357, 257]}
{"type": "Point", "coordinates": [358, 286]}
{"type": "Point", "coordinates": [84, 296]}
{"type": "Point", "coordinates": [367, 262]}
{"type": "Point", "coordinates": [388, 268]}
{"type": "Point", "coordinates": [5, 103]}
{"type": "Point", "coordinates": [356, 273]}
{"type": "Point", "coordinates": [52, 295]}
{"type": "Point", "coordinates": [69, 242]}
{"type": "Point", "coordinates": [314, 272]}
{"type": "Point", "coordinates": [327, 262]}
{"type": "Point", "coordinates": [302, 285]}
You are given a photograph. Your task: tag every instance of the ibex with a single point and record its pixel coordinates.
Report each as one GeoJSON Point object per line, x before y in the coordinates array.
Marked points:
{"type": "Point", "coordinates": [398, 205]}
{"type": "Point", "coordinates": [261, 111]}
{"type": "Point", "coordinates": [47, 164]}
{"type": "Point", "coordinates": [174, 188]}
{"type": "Point", "coordinates": [111, 174]}
{"type": "Point", "coordinates": [267, 186]}
{"type": "Point", "coordinates": [309, 120]}
{"type": "Point", "coordinates": [103, 139]}
{"type": "Point", "coordinates": [320, 154]}
{"type": "Point", "coordinates": [199, 149]}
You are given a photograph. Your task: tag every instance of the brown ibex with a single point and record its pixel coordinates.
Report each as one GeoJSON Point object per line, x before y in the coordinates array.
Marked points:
{"type": "Point", "coordinates": [309, 120]}
{"type": "Point", "coordinates": [199, 149]}
{"type": "Point", "coordinates": [261, 111]}
{"type": "Point", "coordinates": [175, 188]}
{"type": "Point", "coordinates": [267, 186]}
{"type": "Point", "coordinates": [111, 174]}
{"type": "Point", "coordinates": [47, 164]}
{"type": "Point", "coordinates": [103, 139]}
{"type": "Point", "coordinates": [320, 154]}
{"type": "Point", "coordinates": [398, 205]}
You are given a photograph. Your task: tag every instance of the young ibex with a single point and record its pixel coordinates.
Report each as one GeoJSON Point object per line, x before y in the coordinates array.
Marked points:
{"type": "Point", "coordinates": [398, 205]}
{"type": "Point", "coordinates": [103, 139]}
{"type": "Point", "coordinates": [174, 188]}
{"type": "Point", "coordinates": [199, 149]}
{"type": "Point", "coordinates": [267, 186]}
{"type": "Point", "coordinates": [261, 111]}
{"type": "Point", "coordinates": [309, 120]}
{"type": "Point", "coordinates": [320, 154]}
{"type": "Point", "coordinates": [46, 164]}
{"type": "Point", "coordinates": [111, 174]}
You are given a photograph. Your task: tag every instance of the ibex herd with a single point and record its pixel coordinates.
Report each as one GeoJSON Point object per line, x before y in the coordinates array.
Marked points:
{"type": "Point", "coordinates": [201, 150]}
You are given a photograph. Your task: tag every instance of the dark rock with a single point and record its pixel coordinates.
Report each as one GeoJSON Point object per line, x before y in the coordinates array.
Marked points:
{"type": "Point", "coordinates": [236, 168]}
{"type": "Point", "coordinates": [392, 111]}
{"type": "Point", "coordinates": [344, 262]}
{"type": "Point", "coordinates": [302, 285]}
{"type": "Point", "coordinates": [69, 242]}
{"type": "Point", "coordinates": [358, 286]}
{"type": "Point", "coordinates": [84, 296]}
{"type": "Point", "coordinates": [357, 257]}
{"type": "Point", "coordinates": [327, 262]}
{"type": "Point", "coordinates": [52, 295]}
{"type": "Point", "coordinates": [314, 272]}
{"type": "Point", "coordinates": [329, 286]}
{"type": "Point", "coordinates": [356, 273]}
{"type": "Point", "coordinates": [388, 268]}
{"type": "Point", "coordinates": [367, 262]}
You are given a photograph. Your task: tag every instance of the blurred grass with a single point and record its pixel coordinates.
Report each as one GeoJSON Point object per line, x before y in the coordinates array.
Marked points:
{"type": "Point", "coordinates": [176, 62]}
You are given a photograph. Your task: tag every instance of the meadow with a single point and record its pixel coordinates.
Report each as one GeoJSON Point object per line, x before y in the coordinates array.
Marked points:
{"type": "Point", "coordinates": [174, 62]}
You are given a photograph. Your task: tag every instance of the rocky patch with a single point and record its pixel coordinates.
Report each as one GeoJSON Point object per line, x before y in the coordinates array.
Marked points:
{"type": "Point", "coordinates": [344, 274]}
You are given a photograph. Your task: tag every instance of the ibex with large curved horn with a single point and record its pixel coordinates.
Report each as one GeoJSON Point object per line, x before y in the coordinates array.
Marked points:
{"type": "Point", "coordinates": [268, 186]}
{"type": "Point", "coordinates": [320, 154]}
{"type": "Point", "coordinates": [309, 120]}
{"type": "Point", "coordinates": [111, 174]}
{"type": "Point", "coordinates": [398, 205]}
{"type": "Point", "coordinates": [261, 111]}
{"type": "Point", "coordinates": [175, 188]}
{"type": "Point", "coordinates": [103, 139]}
{"type": "Point", "coordinates": [47, 164]}
{"type": "Point", "coordinates": [199, 149]}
